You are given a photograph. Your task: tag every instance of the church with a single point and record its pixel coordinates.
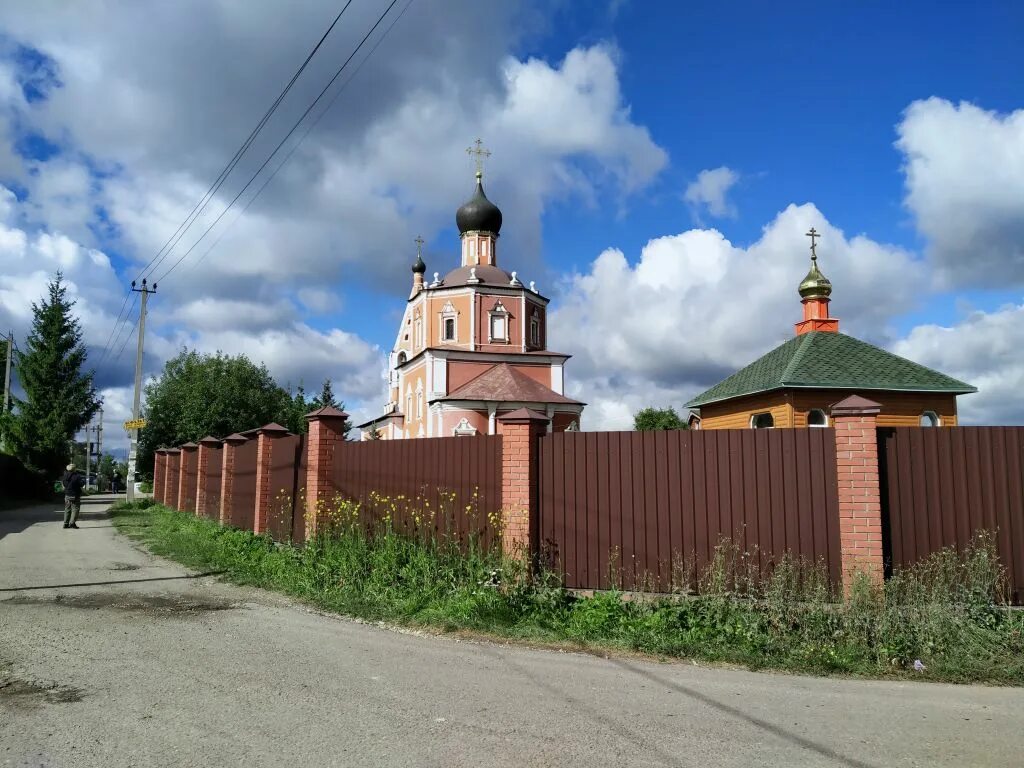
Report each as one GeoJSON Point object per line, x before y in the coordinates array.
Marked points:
{"type": "Point", "coordinates": [796, 383]}
{"type": "Point", "coordinates": [472, 344]}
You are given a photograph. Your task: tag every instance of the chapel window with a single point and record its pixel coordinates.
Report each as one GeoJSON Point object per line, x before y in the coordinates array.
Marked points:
{"type": "Point", "coordinates": [449, 329]}
{"type": "Point", "coordinates": [762, 421]}
{"type": "Point", "coordinates": [817, 418]}
{"type": "Point", "coordinates": [930, 419]}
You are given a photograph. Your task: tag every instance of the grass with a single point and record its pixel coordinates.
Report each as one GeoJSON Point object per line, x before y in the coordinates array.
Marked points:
{"type": "Point", "coordinates": [944, 613]}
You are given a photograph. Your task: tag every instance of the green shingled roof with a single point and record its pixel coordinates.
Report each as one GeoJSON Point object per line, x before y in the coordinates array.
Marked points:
{"type": "Point", "coordinates": [822, 360]}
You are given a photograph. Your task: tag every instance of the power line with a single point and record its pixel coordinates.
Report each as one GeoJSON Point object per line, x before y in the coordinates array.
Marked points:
{"type": "Point", "coordinates": [200, 206]}
{"type": "Point", "coordinates": [106, 347]}
{"type": "Point", "coordinates": [259, 170]}
{"type": "Point", "coordinates": [128, 338]}
{"type": "Point", "coordinates": [120, 329]}
{"type": "Point", "coordinates": [302, 138]}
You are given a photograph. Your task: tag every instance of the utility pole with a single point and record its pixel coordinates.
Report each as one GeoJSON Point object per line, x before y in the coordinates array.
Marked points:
{"type": "Point", "coordinates": [137, 404]}
{"type": "Point", "coordinates": [88, 452]}
{"type": "Point", "coordinates": [7, 378]}
{"type": "Point", "coordinates": [99, 446]}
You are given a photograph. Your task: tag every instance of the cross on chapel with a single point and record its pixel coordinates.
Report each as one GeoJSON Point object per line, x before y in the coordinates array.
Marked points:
{"type": "Point", "coordinates": [813, 234]}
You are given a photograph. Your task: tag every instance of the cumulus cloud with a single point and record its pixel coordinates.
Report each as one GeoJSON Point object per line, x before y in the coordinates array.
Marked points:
{"type": "Point", "coordinates": [964, 170]}
{"type": "Point", "coordinates": [181, 85]}
{"type": "Point", "coordinates": [709, 192]}
{"type": "Point", "coordinates": [982, 349]}
{"type": "Point", "coordinates": [695, 307]}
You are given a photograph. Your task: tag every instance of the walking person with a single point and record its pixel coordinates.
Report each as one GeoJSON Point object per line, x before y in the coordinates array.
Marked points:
{"type": "Point", "coordinates": [73, 482]}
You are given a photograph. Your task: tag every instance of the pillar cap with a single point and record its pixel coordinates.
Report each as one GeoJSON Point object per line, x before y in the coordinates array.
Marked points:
{"type": "Point", "coordinates": [327, 412]}
{"type": "Point", "coordinates": [161, 450]}
{"type": "Point", "coordinates": [209, 440]}
{"type": "Point", "coordinates": [522, 416]}
{"type": "Point", "coordinates": [189, 446]}
{"type": "Point", "coordinates": [173, 450]}
{"type": "Point", "coordinates": [236, 439]}
{"type": "Point", "coordinates": [273, 428]}
{"type": "Point", "coordinates": [855, 405]}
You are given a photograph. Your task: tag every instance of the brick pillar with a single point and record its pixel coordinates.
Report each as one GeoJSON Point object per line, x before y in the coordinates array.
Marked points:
{"type": "Point", "coordinates": [208, 447]}
{"type": "Point", "coordinates": [860, 500]}
{"type": "Point", "coordinates": [227, 476]}
{"type": "Point", "coordinates": [265, 439]}
{"type": "Point", "coordinates": [325, 432]}
{"type": "Point", "coordinates": [186, 500]}
{"type": "Point", "coordinates": [159, 474]}
{"type": "Point", "coordinates": [171, 485]}
{"type": "Point", "coordinates": [520, 432]}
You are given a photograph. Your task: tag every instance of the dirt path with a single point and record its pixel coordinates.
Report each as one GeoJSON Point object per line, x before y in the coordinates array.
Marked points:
{"type": "Point", "coordinates": [112, 657]}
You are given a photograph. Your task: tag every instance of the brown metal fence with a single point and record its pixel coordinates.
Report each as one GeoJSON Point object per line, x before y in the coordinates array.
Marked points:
{"type": "Point", "coordinates": [299, 494]}
{"type": "Point", "coordinates": [634, 506]}
{"type": "Point", "coordinates": [285, 462]}
{"type": "Point", "coordinates": [189, 469]}
{"type": "Point", "coordinates": [243, 490]}
{"type": "Point", "coordinates": [211, 481]}
{"type": "Point", "coordinates": [940, 486]}
{"type": "Point", "coordinates": [441, 486]}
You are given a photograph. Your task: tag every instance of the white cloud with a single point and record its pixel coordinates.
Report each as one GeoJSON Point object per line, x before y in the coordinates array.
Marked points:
{"type": "Point", "coordinates": [964, 171]}
{"type": "Point", "coordinates": [709, 192]}
{"type": "Point", "coordinates": [695, 307]}
{"type": "Point", "coordinates": [144, 127]}
{"type": "Point", "coordinates": [983, 349]}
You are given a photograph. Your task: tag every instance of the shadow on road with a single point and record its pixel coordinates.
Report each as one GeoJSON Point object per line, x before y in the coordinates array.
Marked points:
{"type": "Point", "coordinates": [115, 581]}
{"type": "Point", "coordinates": [739, 714]}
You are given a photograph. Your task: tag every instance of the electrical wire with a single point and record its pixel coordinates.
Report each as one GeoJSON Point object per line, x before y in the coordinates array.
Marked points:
{"type": "Point", "coordinates": [366, 37]}
{"type": "Point", "coordinates": [128, 338]}
{"type": "Point", "coordinates": [200, 206]}
{"type": "Point", "coordinates": [117, 321]}
{"type": "Point", "coordinates": [302, 138]}
{"type": "Point", "coordinates": [124, 324]}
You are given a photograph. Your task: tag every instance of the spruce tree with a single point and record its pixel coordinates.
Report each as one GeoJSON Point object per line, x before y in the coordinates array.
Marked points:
{"type": "Point", "coordinates": [326, 396]}
{"type": "Point", "coordinates": [60, 397]}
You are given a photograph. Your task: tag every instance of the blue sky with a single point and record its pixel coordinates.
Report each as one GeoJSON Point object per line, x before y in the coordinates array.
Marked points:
{"type": "Point", "coordinates": [896, 129]}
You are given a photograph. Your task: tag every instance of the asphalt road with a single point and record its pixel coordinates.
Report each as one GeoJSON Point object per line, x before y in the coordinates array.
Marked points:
{"type": "Point", "coordinates": [112, 657]}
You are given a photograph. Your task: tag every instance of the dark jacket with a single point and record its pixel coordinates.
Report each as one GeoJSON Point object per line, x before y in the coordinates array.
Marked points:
{"type": "Point", "coordinates": [73, 482]}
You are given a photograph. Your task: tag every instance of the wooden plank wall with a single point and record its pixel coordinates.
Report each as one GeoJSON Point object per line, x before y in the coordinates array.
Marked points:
{"type": "Point", "coordinates": [451, 484]}
{"type": "Point", "coordinates": [632, 505]}
{"type": "Point", "coordinates": [939, 486]}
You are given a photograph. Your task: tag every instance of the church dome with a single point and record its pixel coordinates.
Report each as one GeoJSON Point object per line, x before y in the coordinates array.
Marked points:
{"type": "Point", "coordinates": [419, 267]}
{"type": "Point", "coordinates": [478, 214]}
{"type": "Point", "coordinates": [486, 274]}
{"type": "Point", "coordinates": [815, 285]}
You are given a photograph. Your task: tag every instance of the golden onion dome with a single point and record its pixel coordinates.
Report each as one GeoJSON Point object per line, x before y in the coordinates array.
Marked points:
{"type": "Point", "coordinates": [815, 285]}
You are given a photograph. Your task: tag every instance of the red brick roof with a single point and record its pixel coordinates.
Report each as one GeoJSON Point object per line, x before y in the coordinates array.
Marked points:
{"type": "Point", "coordinates": [505, 384]}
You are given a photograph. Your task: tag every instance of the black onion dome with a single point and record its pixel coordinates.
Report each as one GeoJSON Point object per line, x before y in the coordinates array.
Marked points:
{"type": "Point", "coordinates": [478, 214]}
{"type": "Point", "coordinates": [419, 267]}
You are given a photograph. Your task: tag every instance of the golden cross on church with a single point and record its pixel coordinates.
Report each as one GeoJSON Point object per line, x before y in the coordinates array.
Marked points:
{"type": "Point", "coordinates": [479, 153]}
{"type": "Point", "coordinates": [813, 234]}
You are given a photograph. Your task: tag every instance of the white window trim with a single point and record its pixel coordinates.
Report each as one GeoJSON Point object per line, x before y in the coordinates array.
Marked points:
{"type": "Point", "coordinates": [761, 413]}
{"type": "Point", "coordinates": [448, 312]}
{"type": "Point", "coordinates": [498, 311]}
{"type": "Point", "coordinates": [935, 418]}
{"type": "Point", "coordinates": [464, 428]}
{"type": "Point", "coordinates": [822, 412]}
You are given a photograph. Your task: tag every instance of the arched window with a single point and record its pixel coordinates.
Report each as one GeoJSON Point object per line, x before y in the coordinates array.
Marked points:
{"type": "Point", "coordinates": [930, 419]}
{"type": "Point", "coordinates": [762, 421]}
{"type": "Point", "coordinates": [402, 357]}
{"type": "Point", "coordinates": [817, 418]}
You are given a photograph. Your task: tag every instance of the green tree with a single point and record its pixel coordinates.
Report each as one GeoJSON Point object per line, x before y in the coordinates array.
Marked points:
{"type": "Point", "coordinates": [654, 419]}
{"type": "Point", "coordinates": [60, 397]}
{"type": "Point", "coordinates": [198, 395]}
{"type": "Point", "coordinates": [326, 396]}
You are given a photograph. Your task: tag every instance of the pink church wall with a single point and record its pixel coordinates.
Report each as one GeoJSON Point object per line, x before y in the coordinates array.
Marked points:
{"type": "Point", "coordinates": [451, 419]}
{"type": "Point", "coordinates": [484, 305]}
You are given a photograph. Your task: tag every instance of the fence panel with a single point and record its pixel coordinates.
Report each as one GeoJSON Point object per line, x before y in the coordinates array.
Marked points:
{"type": "Point", "coordinates": [646, 510]}
{"type": "Point", "coordinates": [211, 481]}
{"type": "Point", "coordinates": [243, 494]}
{"type": "Point", "coordinates": [190, 477]}
{"type": "Point", "coordinates": [442, 486]}
{"type": "Point", "coordinates": [941, 486]}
